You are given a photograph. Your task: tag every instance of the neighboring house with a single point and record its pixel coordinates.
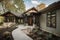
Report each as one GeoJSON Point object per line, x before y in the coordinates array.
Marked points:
{"type": "Point", "coordinates": [30, 16]}
{"type": "Point", "coordinates": [12, 17]}
{"type": "Point", "coordinates": [50, 19]}
{"type": "Point", "coordinates": [41, 6]}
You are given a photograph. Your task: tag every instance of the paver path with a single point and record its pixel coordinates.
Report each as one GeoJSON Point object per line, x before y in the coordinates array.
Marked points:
{"type": "Point", "coordinates": [20, 35]}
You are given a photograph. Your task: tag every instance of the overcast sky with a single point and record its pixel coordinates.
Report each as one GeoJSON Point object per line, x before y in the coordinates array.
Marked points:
{"type": "Point", "coordinates": [34, 3]}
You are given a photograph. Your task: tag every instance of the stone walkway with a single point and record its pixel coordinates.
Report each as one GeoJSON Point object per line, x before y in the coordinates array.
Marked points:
{"type": "Point", "coordinates": [18, 34]}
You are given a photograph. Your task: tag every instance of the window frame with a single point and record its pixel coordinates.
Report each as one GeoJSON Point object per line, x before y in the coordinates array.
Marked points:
{"type": "Point", "coordinates": [51, 18]}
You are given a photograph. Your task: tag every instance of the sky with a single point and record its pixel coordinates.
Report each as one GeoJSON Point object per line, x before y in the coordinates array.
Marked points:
{"type": "Point", "coordinates": [33, 3]}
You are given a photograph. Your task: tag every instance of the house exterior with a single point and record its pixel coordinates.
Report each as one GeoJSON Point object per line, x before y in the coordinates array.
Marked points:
{"type": "Point", "coordinates": [41, 6]}
{"type": "Point", "coordinates": [50, 19]}
{"type": "Point", "coordinates": [12, 17]}
{"type": "Point", "coordinates": [30, 16]}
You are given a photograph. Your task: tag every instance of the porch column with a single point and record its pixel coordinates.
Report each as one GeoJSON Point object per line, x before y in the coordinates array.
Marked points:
{"type": "Point", "coordinates": [14, 20]}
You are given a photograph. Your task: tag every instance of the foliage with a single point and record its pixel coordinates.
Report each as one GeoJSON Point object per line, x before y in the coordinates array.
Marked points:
{"type": "Point", "coordinates": [10, 5]}
{"type": "Point", "coordinates": [20, 4]}
{"type": "Point", "coordinates": [1, 19]}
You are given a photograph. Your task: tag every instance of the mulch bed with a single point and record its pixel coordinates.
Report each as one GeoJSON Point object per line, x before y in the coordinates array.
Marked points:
{"type": "Point", "coordinates": [6, 36]}
{"type": "Point", "coordinates": [38, 34]}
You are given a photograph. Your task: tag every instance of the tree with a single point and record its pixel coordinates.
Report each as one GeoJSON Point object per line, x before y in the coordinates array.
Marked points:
{"type": "Point", "coordinates": [16, 6]}
{"type": "Point", "coordinates": [20, 4]}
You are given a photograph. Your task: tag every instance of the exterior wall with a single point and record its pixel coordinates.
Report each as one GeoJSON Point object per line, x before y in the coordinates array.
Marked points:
{"type": "Point", "coordinates": [43, 24]}
{"type": "Point", "coordinates": [9, 17]}
{"type": "Point", "coordinates": [58, 21]}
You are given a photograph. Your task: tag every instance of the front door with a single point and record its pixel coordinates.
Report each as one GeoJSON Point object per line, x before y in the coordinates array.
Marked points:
{"type": "Point", "coordinates": [30, 20]}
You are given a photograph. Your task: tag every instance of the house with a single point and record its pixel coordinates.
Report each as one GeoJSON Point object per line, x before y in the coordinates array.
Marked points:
{"type": "Point", "coordinates": [30, 16]}
{"type": "Point", "coordinates": [50, 19]}
{"type": "Point", "coordinates": [41, 6]}
{"type": "Point", "coordinates": [12, 17]}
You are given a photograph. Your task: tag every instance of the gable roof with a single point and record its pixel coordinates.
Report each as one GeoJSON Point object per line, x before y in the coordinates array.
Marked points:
{"type": "Point", "coordinates": [53, 6]}
{"type": "Point", "coordinates": [33, 8]}
{"type": "Point", "coordinates": [16, 14]}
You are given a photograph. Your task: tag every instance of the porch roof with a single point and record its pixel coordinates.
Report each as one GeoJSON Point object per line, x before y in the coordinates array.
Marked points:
{"type": "Point", "coordinates": [14, 13]}
{"type": "Point", "coordinates": [33, 8]}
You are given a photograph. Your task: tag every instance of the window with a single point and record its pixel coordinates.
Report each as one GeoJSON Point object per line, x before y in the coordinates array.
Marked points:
{"type": "Point", "coordinates": [51, 19]}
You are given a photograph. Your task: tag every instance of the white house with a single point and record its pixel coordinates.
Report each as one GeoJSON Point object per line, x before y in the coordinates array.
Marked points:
{"type": "Point", "coordinates": [50, 19]}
